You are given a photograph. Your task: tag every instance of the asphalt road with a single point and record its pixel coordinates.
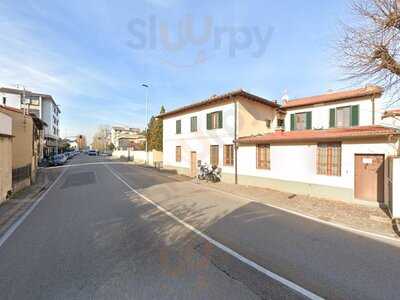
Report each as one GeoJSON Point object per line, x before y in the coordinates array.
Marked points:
{"type": "Point", "coordinates": [93, 237]}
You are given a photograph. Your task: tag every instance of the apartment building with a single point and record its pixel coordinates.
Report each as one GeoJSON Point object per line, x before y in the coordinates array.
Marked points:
{"type": "Point", "coordinates": [41, 105]}
{"type": "Point", "coordinates": [330, 146]}
{"type": "Point", "coordinates": [126, 137]}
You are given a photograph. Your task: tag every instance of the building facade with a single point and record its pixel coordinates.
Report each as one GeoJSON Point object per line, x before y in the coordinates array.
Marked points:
{"type": "Point", "coordinates": [41, 105]}
{"type": "Point", "coordinates": [125, 137]}
{"type": "Point", "coordinates": [5, 156]}
{"type": "Point", "coordinates": [330, 146]}
{"type": "Point", "coordinates": [26, 144]}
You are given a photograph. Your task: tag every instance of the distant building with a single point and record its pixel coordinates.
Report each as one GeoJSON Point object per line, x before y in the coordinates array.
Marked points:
{"type": "Point", "coordinates": [126, 137]}
{"type": "Point", "coordinates": [41, 105]}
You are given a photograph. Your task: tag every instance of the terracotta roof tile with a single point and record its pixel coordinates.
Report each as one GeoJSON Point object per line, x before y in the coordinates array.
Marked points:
{"type": "Point", "coordinates": [321, 135]}
{"type": "Point", "coordinates": [335, 96]}
{"type": "Point", "coordinates": [391, 113]}
{"type": "Point", "coordinates": [215, 99]}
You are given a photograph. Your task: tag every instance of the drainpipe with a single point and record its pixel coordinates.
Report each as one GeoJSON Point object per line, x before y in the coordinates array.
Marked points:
{"type": "Point", "coordinates": [373, 110]}
{"type": "Point", "coordinates": [236, 144]}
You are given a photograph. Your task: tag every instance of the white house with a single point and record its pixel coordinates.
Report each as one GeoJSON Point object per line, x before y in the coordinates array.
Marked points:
{"type": "Point", "coordinates": [41, 105]}
{"type": "Point", "coordinates": [205, 131]}
{"type": "Point", "coordinates": [329, 146]}
{"type": "Point", "coordinates": [5, 156]}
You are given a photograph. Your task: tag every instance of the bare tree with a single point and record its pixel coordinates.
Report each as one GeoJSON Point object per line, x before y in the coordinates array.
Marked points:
{"type": "Point", "coordinates": [370, 48]}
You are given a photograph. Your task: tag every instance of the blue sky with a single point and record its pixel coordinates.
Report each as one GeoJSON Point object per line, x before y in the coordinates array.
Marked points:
{"type": "Point", "coordinates": [93, 55]}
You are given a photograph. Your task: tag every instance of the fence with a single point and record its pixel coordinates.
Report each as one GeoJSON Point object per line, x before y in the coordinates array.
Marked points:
{"type": "Point", "coordinates": [22, 173]}
{"type": "Point", "coordinates": [154, 157]}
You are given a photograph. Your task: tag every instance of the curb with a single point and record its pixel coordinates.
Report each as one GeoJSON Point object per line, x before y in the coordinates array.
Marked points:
{"type": "Point", "coordinates": [396, 226]}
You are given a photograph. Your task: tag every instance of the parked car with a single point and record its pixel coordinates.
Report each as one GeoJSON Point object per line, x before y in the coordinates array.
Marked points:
{"type": "Point", "coordinates": [57, 160]}
{"type": "Point", "coordinates": [92, 153]}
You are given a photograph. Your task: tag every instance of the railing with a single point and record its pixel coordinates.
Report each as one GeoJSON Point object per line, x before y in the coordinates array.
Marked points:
{"type": "Point", "coordinates": [22, 173]}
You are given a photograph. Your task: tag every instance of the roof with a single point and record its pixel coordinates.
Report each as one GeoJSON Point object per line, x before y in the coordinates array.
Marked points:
{"type": "Point", "coordinates": [28, 93]}
{"type": "Point", "coordinates": [218, 98]}
{"type": "Point", "coordinates": [334, 96]}
{"type": "Point", "coordinates": [335, 134]}
{"type": "Point", "coordinates": [9, 108]}
{"type": "Point", "coordinates": [391, 113]}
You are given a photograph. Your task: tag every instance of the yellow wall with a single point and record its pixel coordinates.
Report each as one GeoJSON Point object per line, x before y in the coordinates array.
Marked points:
{"type": "Point", "coordinates": [5, 167]}
{"type": "Point", "coordinates": [252, 117]}
{"type": "Point", "coordinates": [22, 129]}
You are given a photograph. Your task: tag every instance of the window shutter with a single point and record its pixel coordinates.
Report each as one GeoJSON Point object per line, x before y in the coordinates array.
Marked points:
{"type": "Point", "coordinates": [332, 118]}
{"type": "Point", "coordinates": [220, 119]}
{"type": "Point", "coordinates": [308, 120]}
{"type": "Point", "coordinates": [355, 115]}
{"type": "Point", "coordinates": [208, 121]}
{"type": "Point", "coordinates": [292, 122]}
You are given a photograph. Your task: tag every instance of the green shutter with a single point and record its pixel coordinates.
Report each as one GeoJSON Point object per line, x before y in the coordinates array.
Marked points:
{"type": "Point", "coordinates": [355, 112]}
{"type": "Point", "coordinates": [208, 121]}
{"type": "Point", "coordinates": [308, 120]}
{"type": "Point", "coordinates": [292, 122]}
{"type": "Point", "coordinates": [178, 127]}
{"type": "Point", "coordinates": [220, 119]}
{"type": "Point", "coordinates": [332, 118]}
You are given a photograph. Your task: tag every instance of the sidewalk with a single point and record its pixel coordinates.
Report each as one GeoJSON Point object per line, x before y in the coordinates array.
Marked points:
{"type": "Point", "coordinates": [365, 218]}
{"type": "Point", "coordinates": [356, 216]}
{"type": "Point", "coordinates": [19, 202]}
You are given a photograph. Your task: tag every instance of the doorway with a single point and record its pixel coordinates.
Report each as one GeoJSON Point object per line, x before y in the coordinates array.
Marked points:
{"type": "Point", "coordinates": [369, 177]}
{"type": "Point", "coordinates": [193, 164]}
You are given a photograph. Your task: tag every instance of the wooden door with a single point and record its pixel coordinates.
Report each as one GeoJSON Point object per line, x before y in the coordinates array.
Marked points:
{"type": "Point", "coordinates": [193, 164]}
{"type": "Point", "coordinates": [369, 177]}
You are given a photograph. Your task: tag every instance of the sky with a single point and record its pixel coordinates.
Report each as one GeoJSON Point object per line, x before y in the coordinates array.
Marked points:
{"type": "Point", "coordinates": [93, 56]}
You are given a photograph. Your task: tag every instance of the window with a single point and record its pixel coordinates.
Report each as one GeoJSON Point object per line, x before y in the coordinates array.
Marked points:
{"type": "Point", "coordinates": [268, 123]}
{"type": "Point", "coordinates": [329, 159]}
{"type": "Point", "coordinates": [4, 101]}
{"type": "Point", "coordinates": [214, 120]}
{"type": "Point", "coordinates": [301, 121]}
{"type": "Point", "coordinates": [263, 157]}
{"type": "Point", "coordinates": [193, 124]}
{"type": "Point", "coordinates": [228, 155]}
{"type": "Point", "coordinates": [214, 155]}
{"type": "Point", "coordinates": [281, 123]}
{"type": "Point", "coordinates": [178, 153]}
{"type": "Point", "coordinates": [178, 127]}
{"type": "Point", "coordinates": [344, 116]}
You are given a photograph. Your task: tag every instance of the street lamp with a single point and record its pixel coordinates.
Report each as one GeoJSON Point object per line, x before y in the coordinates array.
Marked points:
{"type": "Point", "coordinates": [147, 120]}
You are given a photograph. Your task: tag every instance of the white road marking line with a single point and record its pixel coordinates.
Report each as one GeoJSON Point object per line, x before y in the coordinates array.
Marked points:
{"type": "Point", "coordinates": [371, 235]}
{"type": "Point", "coordinates": [252, 264]}
{"type": "Point", "coordinates": [340, 226]}
{"type": "Point", "coordinates": [14, 227]}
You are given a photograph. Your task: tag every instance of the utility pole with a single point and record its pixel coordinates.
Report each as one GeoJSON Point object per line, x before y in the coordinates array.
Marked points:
{"type": "Point", "coordinates": [147, 121]}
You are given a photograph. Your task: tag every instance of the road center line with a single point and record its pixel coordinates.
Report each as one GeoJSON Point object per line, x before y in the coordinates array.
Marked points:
{"type": "Point", "coordinates": [291, 285]}
{"type": "Point", "coordinates": [15, 226]}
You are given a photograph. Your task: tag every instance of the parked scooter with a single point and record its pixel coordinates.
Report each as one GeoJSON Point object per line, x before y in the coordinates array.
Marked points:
{"type": "Point", "coordinates": [208, 173]}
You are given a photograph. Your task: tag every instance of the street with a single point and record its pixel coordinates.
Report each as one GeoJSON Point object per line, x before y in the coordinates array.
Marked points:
{"type": "Point", "coordinates": [99, 234]}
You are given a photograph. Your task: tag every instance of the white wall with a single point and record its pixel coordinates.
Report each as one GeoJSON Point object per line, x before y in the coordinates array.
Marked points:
{"type": "Point", "coordinates": [12, 100]}
{"type": "Point", "coordinates": [298, 163]}
{"type": "Point", "coordinates": [199, 141]}
{"type": "Point", "coordinates": [320, 113]}
{"type": "Point", "coordinates": [47, 116]}
{"type": "Point", "coordinates": [396, 188]}
{"type": "Point", "coordinates": [5, 124]}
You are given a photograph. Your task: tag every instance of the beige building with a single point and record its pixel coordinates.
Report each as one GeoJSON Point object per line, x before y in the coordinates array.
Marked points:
{"type": "Point", "coordinates": [5, 156]}
{"type": "Point", "coordinates": [27, 132]}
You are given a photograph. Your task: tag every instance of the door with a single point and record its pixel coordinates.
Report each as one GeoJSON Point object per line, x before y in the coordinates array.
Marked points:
{"type": "Point", "coordinates": [369, 177]}
{"type": "Point", "coordinates": [193, 164]}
